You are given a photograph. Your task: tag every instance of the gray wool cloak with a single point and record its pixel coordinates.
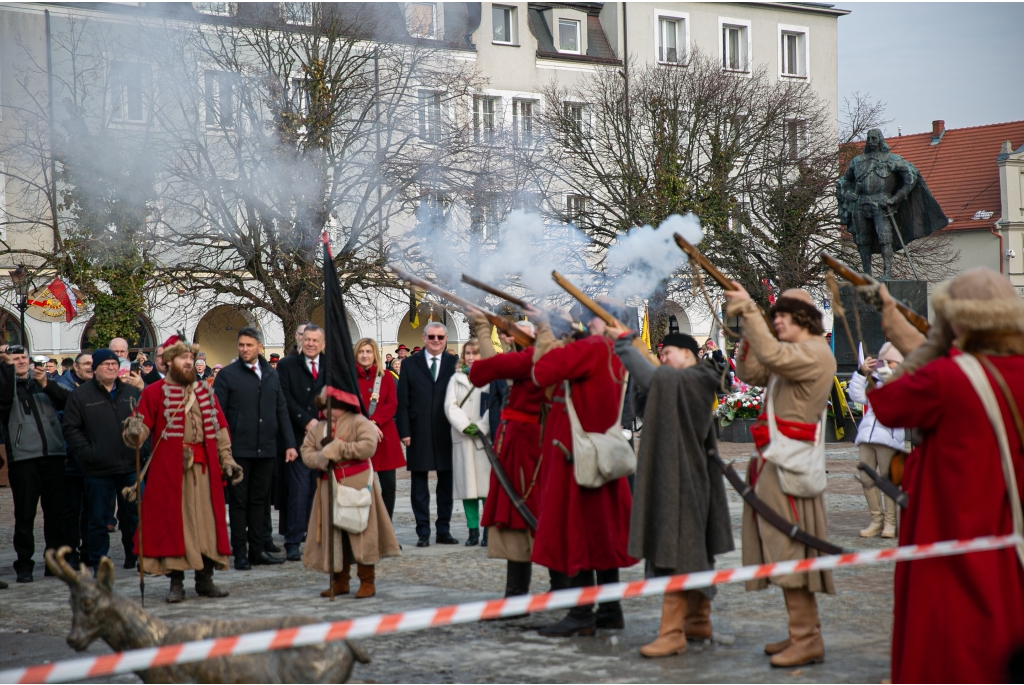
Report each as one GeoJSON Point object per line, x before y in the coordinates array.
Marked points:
{"type": "Point", "coordinates": [680, 517]}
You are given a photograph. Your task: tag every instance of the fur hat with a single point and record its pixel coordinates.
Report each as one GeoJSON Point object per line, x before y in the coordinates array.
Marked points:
{"type": "Point", "coordinates": [175, 346]}
{"type": "Point", "coordinates": [979, 300]}
{"type": "Point", "coordinates": [889, 353]}
{"type": "Point", "coordinates": [799, 304]}
{"type": "Point", "coordinates": [683, 341]}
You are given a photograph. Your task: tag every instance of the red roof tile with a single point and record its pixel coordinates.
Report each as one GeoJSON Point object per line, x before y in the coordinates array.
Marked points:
{"type": "Point", "coordinates": [961, 169]}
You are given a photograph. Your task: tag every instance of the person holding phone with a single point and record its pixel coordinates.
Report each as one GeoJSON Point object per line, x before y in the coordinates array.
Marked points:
{"type": "Point", "coordinates": [119, 346]}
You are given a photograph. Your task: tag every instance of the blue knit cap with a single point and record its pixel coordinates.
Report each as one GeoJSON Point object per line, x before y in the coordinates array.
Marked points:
{"type": "Point", "coordinates": [103, 355]}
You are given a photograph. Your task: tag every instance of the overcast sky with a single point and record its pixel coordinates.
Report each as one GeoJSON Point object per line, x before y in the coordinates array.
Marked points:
{"type": "Point", "coordinates": [960, 62]}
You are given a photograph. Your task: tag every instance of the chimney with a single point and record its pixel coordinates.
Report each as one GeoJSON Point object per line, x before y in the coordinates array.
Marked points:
{"type": "Point", "coordinates": [938, 130]}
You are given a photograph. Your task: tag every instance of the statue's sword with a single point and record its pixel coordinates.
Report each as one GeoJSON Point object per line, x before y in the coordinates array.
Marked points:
{"type": "Point", "coordinates": [906, 253]}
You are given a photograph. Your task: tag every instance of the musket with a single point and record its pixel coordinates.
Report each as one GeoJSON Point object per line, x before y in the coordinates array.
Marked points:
{"type": "Point", "coordinates": [918, 321]}
{"type": "Point", "coordinates": [506, 484]}
{"type": "Point", "coordinates": [602, 313]}
{"type": "Point", "coordinates": [703, 262]}
{"type": "Point", "coordinates": [469, 280]}
{"type": "Point", "coordinates": [519, 335]}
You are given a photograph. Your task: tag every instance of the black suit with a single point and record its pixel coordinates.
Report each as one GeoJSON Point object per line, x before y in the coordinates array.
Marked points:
{"type": "Point", "coordinates": [300, 392]}
{"type": "Point", "coordinates": [421, 417]}
{"type": "Point", "coordinates": [255, 408]}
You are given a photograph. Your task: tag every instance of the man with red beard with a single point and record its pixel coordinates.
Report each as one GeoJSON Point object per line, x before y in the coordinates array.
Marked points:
{"type": "Point", "coordinates": [582, 532]}
{"type": "Point", "coordinates": [517, 445]}
{"type": "Point", "coordinates": [183, 523]}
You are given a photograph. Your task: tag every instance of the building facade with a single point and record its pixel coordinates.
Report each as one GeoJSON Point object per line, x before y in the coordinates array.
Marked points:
{"type": "Point", "coordinates": [515, 48]}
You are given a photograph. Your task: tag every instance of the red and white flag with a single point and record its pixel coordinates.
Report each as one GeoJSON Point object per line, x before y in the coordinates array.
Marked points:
{"type": "Point", "coordinates": [61, 291]}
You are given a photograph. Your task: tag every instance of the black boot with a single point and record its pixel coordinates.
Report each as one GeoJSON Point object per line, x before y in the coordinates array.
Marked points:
{"type": "Point", "coordinates": [483, 541]}
{"type": "Point", "coordinates": [580, 620]}
{"type": "Point", "coordinates": [474, 537]}
{"type": "Point", "coordinates": [559, 580]}
{"type": "Point", "coordinates": [518, 577]}
{"type": "Point", "coordinates": [177, 592]}
{"type": "Point", "coordinates": [204, 582]}
{"type": "Point", "coordinates": [609, 614]}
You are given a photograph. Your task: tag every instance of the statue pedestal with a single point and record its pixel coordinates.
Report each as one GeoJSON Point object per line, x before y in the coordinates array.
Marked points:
{"type": "Point", "coordinates": [912, 293]}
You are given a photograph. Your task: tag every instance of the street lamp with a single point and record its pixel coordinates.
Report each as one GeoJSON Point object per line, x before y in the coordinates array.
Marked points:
{"type": "Point", "coordinates": [22, 285]}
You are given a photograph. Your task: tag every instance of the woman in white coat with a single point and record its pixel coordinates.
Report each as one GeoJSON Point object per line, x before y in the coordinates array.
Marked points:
{"type": "Point", "coordinates": [472, 470]}
{"type": "Point", "coordinates": [877, 444]}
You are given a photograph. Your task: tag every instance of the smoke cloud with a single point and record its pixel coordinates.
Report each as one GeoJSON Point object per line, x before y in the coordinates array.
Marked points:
{"type": "Point", "coordinates": [645, 256]}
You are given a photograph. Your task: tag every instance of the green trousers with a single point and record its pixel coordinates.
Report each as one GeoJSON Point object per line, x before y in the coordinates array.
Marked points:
{"type": "Point", "coordinates": [472, 507]}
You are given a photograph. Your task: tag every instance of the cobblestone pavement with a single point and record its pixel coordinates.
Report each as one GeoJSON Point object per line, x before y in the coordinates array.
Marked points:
{"type": "Point", "coordinates": [857, 621]}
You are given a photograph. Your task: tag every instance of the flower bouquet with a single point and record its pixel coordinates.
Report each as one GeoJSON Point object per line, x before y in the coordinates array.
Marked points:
{"type": "Point", "coordinates": [744, 404]}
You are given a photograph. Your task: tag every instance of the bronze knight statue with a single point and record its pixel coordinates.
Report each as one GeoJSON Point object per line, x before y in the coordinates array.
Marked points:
{"type": "Point", "coordinates": [882, 197]}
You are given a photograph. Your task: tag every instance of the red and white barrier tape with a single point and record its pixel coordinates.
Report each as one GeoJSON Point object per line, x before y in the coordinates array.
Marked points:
{"type": "Point", "coordinates": [381, 624]}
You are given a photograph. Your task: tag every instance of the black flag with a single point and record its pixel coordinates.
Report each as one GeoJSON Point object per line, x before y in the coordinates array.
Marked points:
{"type": "Point", "coordinates": [340, 360]}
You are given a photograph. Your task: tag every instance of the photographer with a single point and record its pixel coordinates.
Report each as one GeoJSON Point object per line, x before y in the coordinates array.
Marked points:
{"type": "Point", "coordinates": [35, 446]}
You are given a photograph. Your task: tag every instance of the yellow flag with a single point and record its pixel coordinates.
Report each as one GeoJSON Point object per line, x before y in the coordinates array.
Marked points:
{"type": "Point", "coordinates": [645, 331]}
{"type": "Point", "coordinates": [495, 340]}
{"type": "Point", "coordinates": [414, 307]}
{"type": "Point", "coordinates": [842, 411]}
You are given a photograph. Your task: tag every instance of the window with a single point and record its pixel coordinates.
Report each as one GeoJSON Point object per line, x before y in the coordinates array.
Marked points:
{"type": "Point", "coordinates": [503, 22]}
{"type": "Point", "coordinates": [430, 116]}
{"type": "Point", "coordinates": [735, 47]}
{"type": "Point", "coordinates": [127, 83]}
{"type": "Point", "coordinates": [220, 101]}
{"type": "Point", "coordinates": [300, 13]}
{"type": "Point", "coordinates": [796, 138]}
{"type": "Point", "coordinates": [434, 207]}
{"type": "Point", "coordinates": [671, 40]}
{"type": "Point", "coordinates": [216, 9]}
{"type": "Point", "coordinates": [673, 324]}
{"type": "Point", "coordinates": [483, 119]}
{"type": "Point", "coordinates": [578, 116]}
{"type": "Point", "coordinates": [522, 122]}
{"type": "Point", "coordinates": [575, 208]}
{"type": "Point", "coordinates": [298, 96]}
{"type": "Point", "coordinates": [422, 19]}
{"type": "Point", "coordinates": [793, 51]}
{"type": "Point", "coordinates": [484, 219]}
{"type": "Point", "coordinates": [569, 36]}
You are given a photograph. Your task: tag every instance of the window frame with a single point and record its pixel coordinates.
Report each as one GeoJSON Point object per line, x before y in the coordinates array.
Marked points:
{"type": "Point", "coordinates": [799, 127]}
{"type": "Point", "coordinates": [213, 117]}
{"type": "Point", "coordinates": [803, 48]}
{"type": "Point", "coordinates": [523, 137]}
{"type": "Point", "coordinates": [434, 26]}
{"type": "Point", "coordinates": [118, 92]}
{"type": "Point", "coordinates": [513, 25]}
{"type": "Point", "coordinates": [682, 37]}
{"type": "Point", "coordinates": [579, 36]}
{"type": "Point", "coordinates": [430, 131]}
{"type": "Point", "coordinates": [482, 134]}
{"type": "Point", "coordinates": [293, 18]}
{"type": "Point", "coordinates": [573, 214]}
{"type": "Point", "coordinates": [748, 56]}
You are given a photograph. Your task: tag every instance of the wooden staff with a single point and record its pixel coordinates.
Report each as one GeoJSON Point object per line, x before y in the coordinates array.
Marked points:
{"type": "Point", "coordinates": [521, 337]}
{"type": "Point", "coordinates": [603, 314]}
{"type": "Point", "coordinates": [326, 440]}
{"type": "Point", "coordinates": [469, 280]}
{"type": "Point", "coordinates": [916, 320]}
{"type": "Point", "coordinates": [696, 257]}
{"type": "Point", "coordinates": [138, 484]}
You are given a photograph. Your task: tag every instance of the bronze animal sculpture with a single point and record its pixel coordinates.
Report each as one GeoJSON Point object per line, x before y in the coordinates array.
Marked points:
{"type": "Point", "coordinates": [98, 612]}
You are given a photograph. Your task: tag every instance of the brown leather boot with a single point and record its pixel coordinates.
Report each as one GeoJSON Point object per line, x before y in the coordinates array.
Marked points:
{"type": "Point", "coordinates": [773, 648]}
{"type": "Point", "coordinates": [873, 497]}
{"type": "Point", "coordinates": [340, 581]}
{"type": "Point", "coordinates": [367, 575]}
{"type": "Point", "coordinates": [889, 517]}
{"type": "Point", "coordinates": [671, 638]}
{"type": "Point", "coordinates": [697, 624]}
{"type": "Point", "coordinates": [806, 645]}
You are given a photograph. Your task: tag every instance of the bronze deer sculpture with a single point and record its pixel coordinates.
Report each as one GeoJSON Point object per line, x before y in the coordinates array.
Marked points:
{"type": "Point", "coordinates": [99, 612]}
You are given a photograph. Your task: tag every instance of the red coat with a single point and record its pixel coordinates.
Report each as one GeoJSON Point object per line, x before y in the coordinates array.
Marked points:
{"type": "Point", "coordinates": [517, 441]}
{"type": "Point", "coordinates": [957, 619]}
{"type": "Point", "coordinates": [162, 525]}
{"type": "Point", "coordinates": [581, 528]}
{"type": "Point", "coordinates": [388, 456]}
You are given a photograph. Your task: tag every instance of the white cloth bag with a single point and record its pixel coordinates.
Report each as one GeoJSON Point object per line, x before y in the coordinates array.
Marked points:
{"type": "Point", "coordinates": [599, 457]}
{"type": "Point", "coordinates": [800, 463]}
{"type": "Point", "coordinates": [351, 506]}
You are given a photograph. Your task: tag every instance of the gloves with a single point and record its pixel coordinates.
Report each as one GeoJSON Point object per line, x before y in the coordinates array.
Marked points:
{"type": "Point", "coordinates": [231, 470]}
{"type": "Point", "coordinates": [135, 431]}
{"type": "Point", "coordinates": [471, 430]}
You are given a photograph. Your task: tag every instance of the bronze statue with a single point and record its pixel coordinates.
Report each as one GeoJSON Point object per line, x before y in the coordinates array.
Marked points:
{"type": "Point", "coordinates": [882, 197]}
{"type": "Point", "coordinates": [100, 613]}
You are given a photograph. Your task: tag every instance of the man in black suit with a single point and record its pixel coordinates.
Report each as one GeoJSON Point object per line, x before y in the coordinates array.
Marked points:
{"type": "Point", "coordinates": [249, 392]}
{"type": "Point", "coordinates": [425, 430]}
{"type": "Point", "coordinates": [302, 379]}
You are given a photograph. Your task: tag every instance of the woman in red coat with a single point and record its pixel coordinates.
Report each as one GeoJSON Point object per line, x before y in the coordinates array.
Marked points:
{"type": "Point", "coordinates": [381, 400]}
{"type": "Point", "coordinates": [959, 618]}
{"type": "Point", "coordinates": [517, 446]}
{"type": "Point", "coordinates": [580, 530]}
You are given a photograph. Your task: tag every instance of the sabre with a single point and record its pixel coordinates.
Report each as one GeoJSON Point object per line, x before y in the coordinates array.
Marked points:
{"type": "Point", "coordinates": [896, 229]}
{"type": "Point", "coordinates": [521, 337]}
{"type": "Point", "coordinates": [506, 484]}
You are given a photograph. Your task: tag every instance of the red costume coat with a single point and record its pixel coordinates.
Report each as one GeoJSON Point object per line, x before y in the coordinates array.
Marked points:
{"type": "Point", "coordinates": [517, 441]}
{"type": "Point", "coordinates": [389, 450]}
{"type": "Point", "coordinates": [161, 498]}
{"type": "Point", "coordinates": [957, 619]}
{"type": "Point", "coordinates": [581, 529]}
